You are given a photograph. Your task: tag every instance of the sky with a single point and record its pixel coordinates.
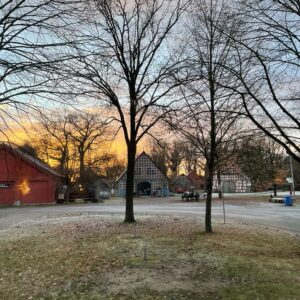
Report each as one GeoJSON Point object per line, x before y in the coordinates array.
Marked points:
{"type": "Point", "coordinates": [21, 135]}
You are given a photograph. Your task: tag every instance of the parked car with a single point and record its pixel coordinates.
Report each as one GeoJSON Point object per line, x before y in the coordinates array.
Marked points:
{"type": "Point", "coordinates": [180, 190]}
{"type": "Point", "coordinates": [190, 196]}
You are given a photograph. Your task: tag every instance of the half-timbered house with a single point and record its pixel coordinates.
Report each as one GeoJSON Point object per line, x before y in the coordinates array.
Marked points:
{"type": "Point", "coordinates": [232, 180]}
{"type": "Point", "coordinates": [148, 179]}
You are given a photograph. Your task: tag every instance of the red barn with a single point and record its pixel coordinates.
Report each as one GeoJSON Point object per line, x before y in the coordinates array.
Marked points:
{"type": "Point", "coordinates": [198, 182]}
{"type": "Point", "coordinates": [25, 178]}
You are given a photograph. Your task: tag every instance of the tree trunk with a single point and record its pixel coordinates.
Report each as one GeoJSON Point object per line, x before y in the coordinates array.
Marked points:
{"type": "Point", "coordinates": [129, 214]}
{"type": "Point", "coordinates": [82, 177]}
{"type": "Point", "coordinates": [212, 153]}
{"type": "Point", "coordinates": [275, 189]}
{"type": "Point", "coordinates": [81, 168]}
{"type": "Point", "coordinates": [209, 186]}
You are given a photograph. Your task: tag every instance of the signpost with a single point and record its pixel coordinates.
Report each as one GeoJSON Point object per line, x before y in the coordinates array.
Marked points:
{"type": "Point", "coordinates": [292, 172]}
{"type": "Point", "coordinates": [220, 190]}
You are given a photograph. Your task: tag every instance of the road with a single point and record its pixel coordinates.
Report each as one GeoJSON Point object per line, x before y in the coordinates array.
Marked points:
{"type": "Point", "coordinates": [253, 212]}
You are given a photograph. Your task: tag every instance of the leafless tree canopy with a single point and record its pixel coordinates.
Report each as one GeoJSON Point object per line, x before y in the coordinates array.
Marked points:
{"type": "Point", "coordinates": [265, 65]}
{"type": "Point", "coordinates": [201, 65]}
{"type": "Point", "coordinates": [127, 55]}
{"type": "Point", "coordinates": [209, 119]}
{"type": "Point", "coordinates": [29, 48]}
{"type": "Point", "coordinates": [72, 141]}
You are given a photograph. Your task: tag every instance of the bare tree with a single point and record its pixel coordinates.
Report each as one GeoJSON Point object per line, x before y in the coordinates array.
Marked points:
{"type": "Point", "coordinates": [210, 118]}
{"type": "Point", "coordinates": [191, 158]}
{"type": "Point", "coordinates": [72, 141]}
{"type": "Point", "coordinates": [28, 44]}
{"type": "Point", "coordinates": [127, 60]}
{"type": "Point", "coordinates": [55, 143]}
{"type": "Point", "coordinates": [87, 133]}
{"type": "Point", "coordinates": [114, 167]}
{"type": "Point", "coordinates": [268, 155]}
{"type": "Point", "coordinates": [29, 148]}
{"type": "Point", "coordinates": [266, 67]}
{"type": "Point", "coordinates": [172, 157]}
{"type": "Point", "coordinates": [175, 157]}
{"type": "Point", "coordinates": [159, 154]}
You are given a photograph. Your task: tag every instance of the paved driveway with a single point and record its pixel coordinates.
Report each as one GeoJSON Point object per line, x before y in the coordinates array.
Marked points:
{"type": "Point", "coordinates": [253, 212]}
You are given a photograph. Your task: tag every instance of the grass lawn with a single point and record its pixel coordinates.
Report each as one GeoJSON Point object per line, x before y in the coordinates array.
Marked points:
{"type": "Point", "coordinates": [99, 257]}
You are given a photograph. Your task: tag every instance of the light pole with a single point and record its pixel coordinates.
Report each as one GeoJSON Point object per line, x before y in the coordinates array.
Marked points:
{"type": "Point", "coordinates": [292, 175]}
{"type": "Point", "coordinates": [220, 187]}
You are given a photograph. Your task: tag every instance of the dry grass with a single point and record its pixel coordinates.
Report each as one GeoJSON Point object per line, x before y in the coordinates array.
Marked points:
{"type": "Point", "coordinates": [96, 257]}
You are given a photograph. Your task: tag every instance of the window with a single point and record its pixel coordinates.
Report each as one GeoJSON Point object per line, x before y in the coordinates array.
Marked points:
{"type": "Point", "coordinates": [138, 171]}
{"type": "Point", "coordinates": [150, 171]}
{"type": "Point", "coordinates": [4, 185]}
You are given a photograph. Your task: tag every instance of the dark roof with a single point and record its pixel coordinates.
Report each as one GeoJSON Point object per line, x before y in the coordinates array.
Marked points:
{"type": "Point", "coordinates": [103, 180]}
{"type": "Point", "coordinates": [193, 174]}
{"type": "Point", "coordinates": [33, 161]}
{"type": "Point", "coordinates": [143, 153]}
{"type": "Point", "coordinates": [180, 177]}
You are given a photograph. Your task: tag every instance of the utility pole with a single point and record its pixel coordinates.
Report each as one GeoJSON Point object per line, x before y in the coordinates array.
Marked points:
{"type": "Point", "coordinates": [292, 175]}
{"type": "Point", "coordinates": [223, 201]}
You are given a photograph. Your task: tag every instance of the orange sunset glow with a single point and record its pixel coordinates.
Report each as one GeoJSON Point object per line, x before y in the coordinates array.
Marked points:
{"type": "Point", "coordinates": [24, 187]}
{"type": "Point", "coordinates": [29, 134]}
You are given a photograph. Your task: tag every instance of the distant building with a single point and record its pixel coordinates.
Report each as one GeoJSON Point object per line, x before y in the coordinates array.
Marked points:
{"type": "Point", "coordinates": [198, 182]}
{"type": "Point", "coordinates": [233, 181]}
{"type": "Point", "coordinates": [25, 179]}
{"type": "Point", "coordinates": [148, 179]}
{"type": "Point", "coordinates": [181, 184]}
{"type": "Point", "coordinates": [100, 186]}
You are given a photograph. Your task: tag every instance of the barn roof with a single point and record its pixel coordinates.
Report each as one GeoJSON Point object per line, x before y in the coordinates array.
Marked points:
{"type": "Point", "coordinates": [104, 180]}
{"type": "Point", "coordinates": [192, 175]}
{"type": "Point", "coordinates": [145, 154]}
{"type": "Point", "coordinates": [33, 161]}
{"type": "Point", "coordinates": [177, 178]}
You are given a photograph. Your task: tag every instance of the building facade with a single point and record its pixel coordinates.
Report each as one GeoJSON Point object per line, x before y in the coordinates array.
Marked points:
{"type": "Point", "coordinates": [198, 182]}
{"type": "Point", "coordinates": [181, 184]}
{"type": "Point", "coordinates": [148, 179]}
{"type": "Point", "coordinates": [24, 179]}
{"type": "Point", "coordinates": [232, 181]}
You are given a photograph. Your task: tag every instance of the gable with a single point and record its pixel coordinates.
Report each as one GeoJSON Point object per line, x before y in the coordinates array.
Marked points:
{"type": "Point", "coordinates": [182, 179]}
{"type": "Point", "coordinates": [145, 168]}
{"type": "Point", "coordinates": [15, 158]}
{"type": "Point", "coordinates": [13, 167]}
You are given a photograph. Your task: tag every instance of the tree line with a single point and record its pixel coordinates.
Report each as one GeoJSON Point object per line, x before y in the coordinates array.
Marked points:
{"type": "Point", "coordinates": [211, 71]}
{"type": "Point", "coordinates": [77, 145]}
{"type": "Point", "coordinates": [179, 157]}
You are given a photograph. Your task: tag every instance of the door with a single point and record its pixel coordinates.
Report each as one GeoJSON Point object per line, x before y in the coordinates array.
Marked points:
{"type": "Point", "coordinates": [229, 187]}
{"type": "Point", "coordinates": [7, 193]}
{"type": "Point", "coordinates": [144, 188]}
{"type": "Point", "coordinates": [37, 192]}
